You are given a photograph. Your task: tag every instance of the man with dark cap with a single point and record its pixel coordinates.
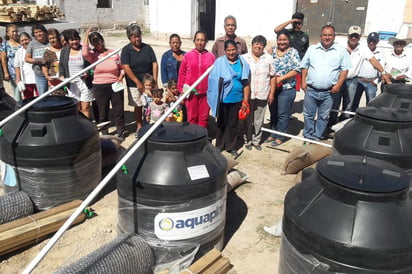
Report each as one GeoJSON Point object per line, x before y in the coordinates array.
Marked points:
{"type": "Point", "coordinates": [358, 56]}
{"type": "Point", "coordinates": [298, 39]}
{"type": "Point", "coordinates": [369, 76]}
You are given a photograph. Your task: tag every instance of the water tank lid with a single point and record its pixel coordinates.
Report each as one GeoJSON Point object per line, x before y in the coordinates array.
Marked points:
{"type": "Point", "coordinates": [363, 174]}
{"type": "Point", "coordinates": [385, 114]}
{"type": "Point", "coordinates": [172, 132]}
{"type": "Point", "coordinates": [54, 102]}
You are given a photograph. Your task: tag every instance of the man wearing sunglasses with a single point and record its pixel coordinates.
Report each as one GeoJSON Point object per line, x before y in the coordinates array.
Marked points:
{"type": "Point", "coordinates": [298, 39]}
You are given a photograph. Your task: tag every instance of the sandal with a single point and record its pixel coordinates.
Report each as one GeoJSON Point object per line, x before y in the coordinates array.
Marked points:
{"type": "Point", "coordinates": [276, 143]}
{"type": "Point", "coordinates": [269, 140]}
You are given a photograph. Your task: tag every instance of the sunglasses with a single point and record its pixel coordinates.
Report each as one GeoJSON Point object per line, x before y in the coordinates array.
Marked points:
{"type": "Point", "coordinates": [299, 23]}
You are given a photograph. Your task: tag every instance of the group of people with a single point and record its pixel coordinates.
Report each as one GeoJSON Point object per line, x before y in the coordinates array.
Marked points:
{"type": "Point", "coordinates": [35, 63]}
{"type": "Point", "coordinates": [334, 77]}
{"type": "Point", "coordinates": [241, 83]}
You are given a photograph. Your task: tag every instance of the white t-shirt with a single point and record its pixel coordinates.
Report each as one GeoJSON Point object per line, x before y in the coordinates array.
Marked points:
{"type": "Point", "coordinates": [26, 69]}
{"type": "Point", "coordinates": [357, 56]}
{"type": "Point", "coordinates": [367, 70]}
{"type": "Point", "coordinates": [399, 64]}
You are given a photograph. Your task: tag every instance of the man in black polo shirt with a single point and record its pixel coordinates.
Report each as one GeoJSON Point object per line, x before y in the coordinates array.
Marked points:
{"type": "Point", "coordinates": [298, 39]}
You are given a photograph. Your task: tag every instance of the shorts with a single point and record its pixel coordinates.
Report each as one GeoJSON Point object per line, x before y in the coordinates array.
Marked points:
{"type": "Point", "coordinates": [79, 90]}
{"type": "Point", "coordinates": [135, 97]}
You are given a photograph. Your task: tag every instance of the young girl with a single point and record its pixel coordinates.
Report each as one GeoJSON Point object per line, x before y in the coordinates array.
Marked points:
{"type": "Point", "coordinates": [148, 84]}
{"type": "Point", "coordinates": [157, 107]}
{"type": "Point", "coordinates": [172, 95]}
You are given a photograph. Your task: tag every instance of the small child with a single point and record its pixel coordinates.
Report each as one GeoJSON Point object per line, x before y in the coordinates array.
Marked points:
{"type": "Point", "coordinates": [148, 84]}
{"type": "Point", "coordinates": [157, 107]}
{"type": "Point", "coordinates": [171, 96]}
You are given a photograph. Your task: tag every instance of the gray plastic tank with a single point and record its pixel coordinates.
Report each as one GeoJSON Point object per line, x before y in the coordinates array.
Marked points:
{"type": "Point", "coordinates": [51, 152]}
{"type": "Point", "coordinates": [172, 192]}
{"type": "Point", "coordinates": [352, 215]}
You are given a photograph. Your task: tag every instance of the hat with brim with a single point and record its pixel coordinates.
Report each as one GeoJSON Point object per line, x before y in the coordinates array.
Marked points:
{"type": "Point", "coordinates": [393, 40]}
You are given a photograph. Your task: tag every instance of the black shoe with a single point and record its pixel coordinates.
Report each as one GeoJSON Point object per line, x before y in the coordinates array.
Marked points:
{"type": "Point", "coordinates": [248, 146]}
{"type": "Point", "coordinates": [120, 136]}
{"type": "Point", "coordinates": [258, 147]}
{"type": "Point", "coordinates": [234, 153]}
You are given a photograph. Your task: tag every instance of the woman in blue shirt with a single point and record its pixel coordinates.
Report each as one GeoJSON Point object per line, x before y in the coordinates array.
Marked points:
{"type": "Point", "coordinates": [171, 60]}
{"type": "Point", "coordinates": [228, 93]}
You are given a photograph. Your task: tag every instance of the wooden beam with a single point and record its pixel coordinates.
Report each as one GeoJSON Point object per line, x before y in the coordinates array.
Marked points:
{"type": "Point", "coordinates": [211, 262]}
{"type": "Point", "coordinates": [28, 230]}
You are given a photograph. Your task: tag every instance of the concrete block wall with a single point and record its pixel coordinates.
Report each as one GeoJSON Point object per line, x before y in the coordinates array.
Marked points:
{"type": "Point", "coordinates": [86, 13]}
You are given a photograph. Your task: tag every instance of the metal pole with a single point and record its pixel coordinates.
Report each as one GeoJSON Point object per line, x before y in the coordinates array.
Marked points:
{"type": "Point", "coordinates": [106, 179]}
{"type": "Point", "coordinates": [296, 137]}
{"type": "Point", "coordinates": [39, 98]}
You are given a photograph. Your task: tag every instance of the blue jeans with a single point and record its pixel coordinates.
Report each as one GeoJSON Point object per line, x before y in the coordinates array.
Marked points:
{"type": "Point", "coordinates": [280, 111]}
{"type": "Point", "coordinates": [320, 103]}
{"type": "Point", "coordinates": [370, 91]}
{"type": "Point", "coordinates": [346, 95]}
{"type": "Point", "coordinates": [41, 84]}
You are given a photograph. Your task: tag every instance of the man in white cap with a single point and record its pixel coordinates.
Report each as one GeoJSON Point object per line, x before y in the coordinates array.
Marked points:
{"type": "Point", "coordinates": [357, 56]}
{"type": "Point", "coordinates": [369, 76]}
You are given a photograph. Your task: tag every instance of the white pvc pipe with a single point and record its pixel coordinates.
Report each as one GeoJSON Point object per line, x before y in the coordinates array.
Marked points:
{"type": "Point", "coordinates": [39, 98]}
{"type": "Point", "coordinates": [295, 137]}
{"type": "Point", "coordinates": [343, 111]}
{"type": "Point", "coordinates": [106, 179]}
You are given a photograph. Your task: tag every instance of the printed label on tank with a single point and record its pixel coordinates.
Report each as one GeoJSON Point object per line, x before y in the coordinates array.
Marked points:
{"type": "Point", "coordinates": [198, 172]}
{"type": "Point", "coordinates": [189, 224]}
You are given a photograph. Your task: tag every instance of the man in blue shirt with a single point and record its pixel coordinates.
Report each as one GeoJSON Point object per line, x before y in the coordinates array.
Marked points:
{"type": "Point", "coordinates": [324, 69]}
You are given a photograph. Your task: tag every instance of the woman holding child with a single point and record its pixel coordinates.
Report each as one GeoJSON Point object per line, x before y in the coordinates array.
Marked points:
{"type": "Point", "coordinates": [137, 59]}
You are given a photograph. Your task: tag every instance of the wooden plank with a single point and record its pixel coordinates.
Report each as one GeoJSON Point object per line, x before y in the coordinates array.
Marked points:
{"type": "Point", "coordinates": [33, 230]}
{"type": "Point", "coordinates": [32, 12]}
{"type": "Point", "coordinates": [78, 220]}
{"type": "Point", "coordinates": [40, 215]}
{"type": "Point", "coordinates": [203, 263]}
{"type": "Point", "coordinates": [222, 266]}
{"type": "Point", "coordinates": [24, 233]}
{"type": "Point", "coordinates": [6, 19]}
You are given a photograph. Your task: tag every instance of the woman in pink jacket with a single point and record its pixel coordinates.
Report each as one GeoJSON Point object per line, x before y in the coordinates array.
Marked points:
{"type": "Point", "coordinates": [194, 64]}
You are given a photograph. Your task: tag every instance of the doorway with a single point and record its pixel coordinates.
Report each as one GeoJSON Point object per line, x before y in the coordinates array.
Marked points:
{"type": "Point", "coordinates": [207, 15]}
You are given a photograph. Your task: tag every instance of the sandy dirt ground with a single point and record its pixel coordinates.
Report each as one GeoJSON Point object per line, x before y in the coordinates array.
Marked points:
{"type": "Point", "coordinates": [250, 207]}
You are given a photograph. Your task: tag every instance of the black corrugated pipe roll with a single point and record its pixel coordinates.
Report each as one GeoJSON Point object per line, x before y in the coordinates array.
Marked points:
{"type": "Point", "coordinates": [128, 253]}
{"type": "Point", "coordinates": [15, 205]}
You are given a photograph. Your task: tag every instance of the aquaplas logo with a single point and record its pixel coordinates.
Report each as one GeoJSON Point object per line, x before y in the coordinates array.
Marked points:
{"type": "Point", "coordinates": [166, 224]}
{"type": "Point", "coordinates": [189, 224]}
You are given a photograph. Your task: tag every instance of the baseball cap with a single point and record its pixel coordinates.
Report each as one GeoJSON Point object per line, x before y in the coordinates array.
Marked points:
{"type": "Point", "coordinates": [373, 37]}
{"type": "Point", "coordinates": [355, 30]}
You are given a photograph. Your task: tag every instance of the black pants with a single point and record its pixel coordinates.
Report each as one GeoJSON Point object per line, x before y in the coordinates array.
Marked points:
{"type": "Point", "coordinates": [227, 126]}
{"type": "Point", "coordinates": [104, 94]}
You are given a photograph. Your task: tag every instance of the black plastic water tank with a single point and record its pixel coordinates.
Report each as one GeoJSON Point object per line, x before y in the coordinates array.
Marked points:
{"type": "Point", "coordinates": [51, 152]}
{"type": "Point", "coordinates": [7, 104]}
{"type": "Point", "coordinates": [379, 132]}
{"type": "Point", "coordinates": [398, 96]}
{"type": "Point", "coordinates": [172, 192]}
{"type": "Point", "coordinates": [352, 216]}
